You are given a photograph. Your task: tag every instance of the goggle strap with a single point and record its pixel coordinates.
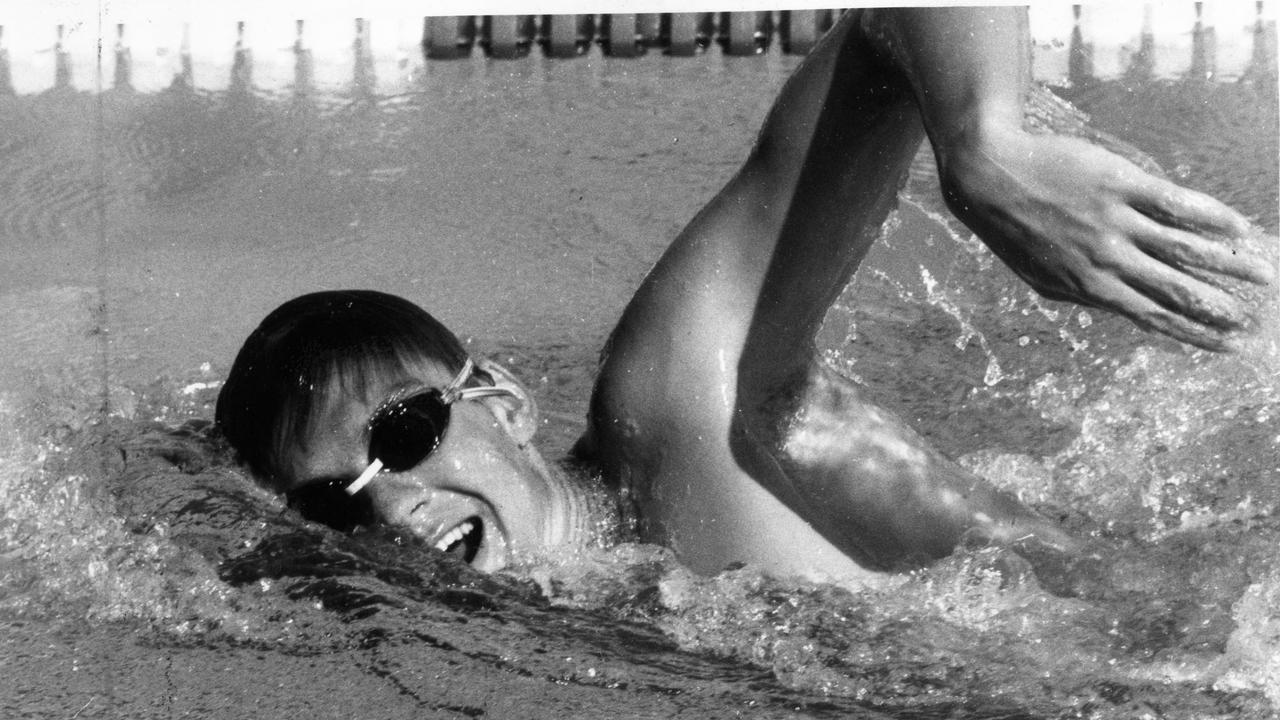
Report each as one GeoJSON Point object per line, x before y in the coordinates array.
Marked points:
{"type": "Point", "coordinates": [482, 392]}
{"type": "Point", "coordinates": [365, 478]}
{"type": "Point", "coordinates": [454, 390]}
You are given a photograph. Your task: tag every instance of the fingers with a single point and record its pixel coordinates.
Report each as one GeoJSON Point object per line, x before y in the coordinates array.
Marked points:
{"type": "Point", "coordinates": [1188, 297]}
{"type": "Point", "coordinates": [1180, 248]}
{"type": "Point", "coordinates": [1151, 316]}
{"type": "Point", "coordinates": [1137, 304]}
{"type": "Point", "coordinates": [1179, 207]}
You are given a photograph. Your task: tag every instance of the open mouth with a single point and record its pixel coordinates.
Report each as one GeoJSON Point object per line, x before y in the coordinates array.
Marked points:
{"type": "Point", "coordinates": [463, 541]}
{"type": "Point", "coordinates": [463, 527]}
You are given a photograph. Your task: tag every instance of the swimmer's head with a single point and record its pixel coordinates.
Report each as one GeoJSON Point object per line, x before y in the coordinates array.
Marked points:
{"type": "Point", "coordinates": [308, 407]}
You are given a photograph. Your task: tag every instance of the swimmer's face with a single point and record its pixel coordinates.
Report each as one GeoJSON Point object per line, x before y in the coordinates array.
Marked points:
{"type": "Point", "coordinates": [482, 493]}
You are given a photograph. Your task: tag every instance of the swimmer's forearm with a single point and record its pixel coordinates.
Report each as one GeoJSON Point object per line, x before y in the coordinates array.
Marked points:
{"type": "Point", "coordinates": [968, 67]}
{"type": "Point", "coordinates": [1074, 221]}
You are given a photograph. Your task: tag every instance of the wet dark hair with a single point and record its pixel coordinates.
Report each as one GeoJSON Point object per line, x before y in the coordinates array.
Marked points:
{"type": "Point", "coordinates": [313, 349]}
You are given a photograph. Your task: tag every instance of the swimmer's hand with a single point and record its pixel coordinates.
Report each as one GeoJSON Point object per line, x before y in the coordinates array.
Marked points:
{"type": "Point", "coordinates": [1079, 223]}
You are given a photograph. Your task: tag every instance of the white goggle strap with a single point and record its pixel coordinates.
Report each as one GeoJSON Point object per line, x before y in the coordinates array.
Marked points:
{"type": "Point", "coordinates": [358, 484]}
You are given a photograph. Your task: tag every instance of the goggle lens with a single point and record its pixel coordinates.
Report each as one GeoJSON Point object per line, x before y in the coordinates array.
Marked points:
{"type": "Point", "coordinates": [328, 503]}
{"type": "Point", "coordinates": [405, 433]}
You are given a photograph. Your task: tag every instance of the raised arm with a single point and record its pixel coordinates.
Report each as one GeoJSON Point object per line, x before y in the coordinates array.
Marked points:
{"type": "Point", "coordinates": [1075, 221]}
{"type": "Point", "coordinates": [711, 411]}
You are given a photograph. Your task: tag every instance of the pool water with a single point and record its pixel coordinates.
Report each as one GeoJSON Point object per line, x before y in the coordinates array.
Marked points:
{"type": "Point", "coordinates": [143, 575]}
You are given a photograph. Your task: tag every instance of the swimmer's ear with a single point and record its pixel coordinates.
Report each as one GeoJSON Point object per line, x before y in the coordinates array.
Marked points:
{"type": "Point", "coordinates": [518, 414]}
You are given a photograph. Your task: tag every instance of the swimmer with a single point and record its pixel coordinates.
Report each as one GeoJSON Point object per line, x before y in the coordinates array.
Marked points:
{"type": "Point", "coordinates": [711, 415]}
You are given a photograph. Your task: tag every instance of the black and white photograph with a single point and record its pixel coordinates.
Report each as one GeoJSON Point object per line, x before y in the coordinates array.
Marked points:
{"type": "Point", "coordinates": [626, 360]}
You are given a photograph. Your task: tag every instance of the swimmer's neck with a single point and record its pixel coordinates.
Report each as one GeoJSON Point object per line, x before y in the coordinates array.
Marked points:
{"type": "Point", "coordinates": [587, 513]}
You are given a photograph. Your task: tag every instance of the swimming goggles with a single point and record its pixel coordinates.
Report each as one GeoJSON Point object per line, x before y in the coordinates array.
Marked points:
{"type": "Point", "coordinates": [403, 432]}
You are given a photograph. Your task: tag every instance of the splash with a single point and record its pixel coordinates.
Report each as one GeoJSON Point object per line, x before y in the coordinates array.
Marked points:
{"type": "Point", "coordinates": [940, 299]}
{"type": "Point", "coordinates": [65, 548]}
{"type": "Point", "coordinates": [1252, 657]}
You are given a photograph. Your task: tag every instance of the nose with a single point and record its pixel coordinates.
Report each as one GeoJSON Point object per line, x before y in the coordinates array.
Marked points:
{"type": "Point", "coordinates": [442, 517]}
{"type": "Point", "coordinates": [395, 497]}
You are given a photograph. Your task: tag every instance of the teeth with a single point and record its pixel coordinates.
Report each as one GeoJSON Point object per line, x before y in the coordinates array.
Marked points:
{"type": "Point", "coordinates": [455, 535]}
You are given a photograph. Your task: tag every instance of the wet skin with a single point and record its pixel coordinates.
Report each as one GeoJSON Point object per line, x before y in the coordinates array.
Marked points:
{"type": "Point", "coordinates": [485, 492]}
{"type": "Point", "coordinates": [1074, 221]}
{"type": "Point", "coordinates": [712, 410]}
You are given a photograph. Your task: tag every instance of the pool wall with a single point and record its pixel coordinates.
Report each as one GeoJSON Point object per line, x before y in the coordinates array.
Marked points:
{"type": "Point", "coordinates": [147, 46]}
